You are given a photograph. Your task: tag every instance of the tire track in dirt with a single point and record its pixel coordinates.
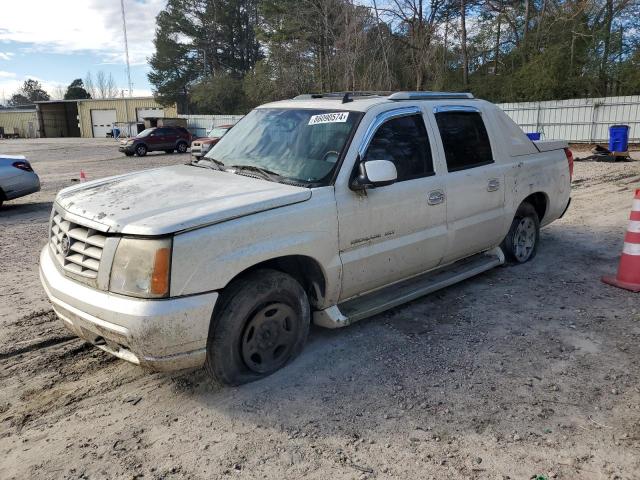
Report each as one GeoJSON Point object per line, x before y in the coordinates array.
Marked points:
{"type": "Point", "coordinates": [37, 346]}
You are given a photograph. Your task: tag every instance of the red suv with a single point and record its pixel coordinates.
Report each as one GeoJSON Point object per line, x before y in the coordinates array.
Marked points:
{"type": "Point", "coordinates": [169, 139]}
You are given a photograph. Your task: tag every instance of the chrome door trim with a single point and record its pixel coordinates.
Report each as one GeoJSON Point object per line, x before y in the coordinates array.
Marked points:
{"type": "Point", "coordinates": [380, 120]}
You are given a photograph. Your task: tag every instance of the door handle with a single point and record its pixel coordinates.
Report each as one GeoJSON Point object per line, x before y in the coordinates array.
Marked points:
{"type": "Point", "coordinates": [493, 185]}
{"type": "Point", "coordinates": [436, 197]}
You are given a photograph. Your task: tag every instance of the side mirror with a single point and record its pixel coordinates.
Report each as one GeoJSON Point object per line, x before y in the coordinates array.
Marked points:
{"type": "Point", "coordinates": [375, 173]}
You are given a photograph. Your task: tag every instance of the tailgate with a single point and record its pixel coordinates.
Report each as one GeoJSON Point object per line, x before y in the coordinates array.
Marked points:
{"type": "Point", "coordinates": [549, 145]}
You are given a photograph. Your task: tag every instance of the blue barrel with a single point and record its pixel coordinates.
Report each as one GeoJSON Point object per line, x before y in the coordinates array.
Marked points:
{"type": "Point", "coordinates": [619, 138]}
{"type": "Point", "coordinates": [534, 135]}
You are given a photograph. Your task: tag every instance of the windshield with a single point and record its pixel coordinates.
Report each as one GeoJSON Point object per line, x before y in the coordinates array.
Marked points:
{"type": "Point", "coordinates": [144, 133]}
{"type": "Point", "coordinates": [217, 132]}
{"type": "Point", "coordinates": [298, 144]}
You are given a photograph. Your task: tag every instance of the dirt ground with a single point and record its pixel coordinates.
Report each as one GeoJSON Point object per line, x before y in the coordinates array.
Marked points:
{"type": "Point", "coordinates": [522, 371]}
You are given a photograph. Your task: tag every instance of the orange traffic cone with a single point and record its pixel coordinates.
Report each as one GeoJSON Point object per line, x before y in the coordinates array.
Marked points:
{"type": "Point", "coordinates": [83, 177]}
{"type": "Point", "coordinates": [628, 276]}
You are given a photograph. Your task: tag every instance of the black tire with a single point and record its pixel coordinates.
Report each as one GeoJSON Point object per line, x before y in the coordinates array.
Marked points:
{"type": "Point", "coordinates": [128, 154]}
{"type": "Point", "coordinates": [169, 151]}
{"type": "Point", "coordinates": [141, 150]}
{"type": "Point", "coordinates": [265, 313]}
{"type": "Point", "coordinates": [521, 243]}
{"type": "Point", "coordinates": [182, 147]}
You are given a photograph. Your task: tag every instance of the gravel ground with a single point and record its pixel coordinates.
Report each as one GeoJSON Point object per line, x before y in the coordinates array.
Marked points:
{"type": "Point", "coordinates": [522, 371]}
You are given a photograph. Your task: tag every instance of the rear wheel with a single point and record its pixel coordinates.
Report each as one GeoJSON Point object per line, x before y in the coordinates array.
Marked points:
{"type": "Point", "coordinates": [521, 243]}
{"type": "Point", "coordinates": [182, 147]}
{"type": "Point", "coordinates": [261, 324]}
{"type": "Point", "coordinates": [141, 150]}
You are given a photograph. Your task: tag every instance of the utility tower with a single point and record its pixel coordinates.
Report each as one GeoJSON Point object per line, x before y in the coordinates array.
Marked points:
{"type": "Point", "coordinates": [126, 47]}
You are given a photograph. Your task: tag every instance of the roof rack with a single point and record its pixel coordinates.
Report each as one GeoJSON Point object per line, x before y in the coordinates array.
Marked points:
{"type": "Point", "coordinates": [346, 96]}
{"type": "Point", "coordinates": [429, 95]}
{"type": "Point", "coordinates": [397, 96]}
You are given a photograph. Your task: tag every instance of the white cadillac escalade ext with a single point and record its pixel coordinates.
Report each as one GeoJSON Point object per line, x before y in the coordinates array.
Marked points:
{"type": "Point", "coordinates": [326, 208]}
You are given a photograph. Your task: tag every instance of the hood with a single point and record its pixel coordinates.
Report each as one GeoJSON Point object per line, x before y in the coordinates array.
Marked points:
{"type": "Point", "coordinates": [206, 140]}
{"type": "Point", "coordinates": [170, 199]}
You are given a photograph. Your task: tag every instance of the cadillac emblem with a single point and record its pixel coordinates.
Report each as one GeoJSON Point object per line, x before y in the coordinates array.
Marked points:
{"type": "Point", "coordinates": [65, 245]}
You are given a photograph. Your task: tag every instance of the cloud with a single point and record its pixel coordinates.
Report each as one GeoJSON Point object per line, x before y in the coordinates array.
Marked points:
{"type": "Point", "coordinates": [4, 74]}
{"type": "Point", "coordinates": [70, 26]}
{"type": "Point", "coordinates": [6, 55]}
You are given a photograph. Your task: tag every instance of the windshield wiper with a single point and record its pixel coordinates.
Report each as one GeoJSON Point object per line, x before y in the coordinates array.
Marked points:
{"type": "Point", "coordinates": [262, 172]}
{"type": "Point", "coordinates": [210, 163]}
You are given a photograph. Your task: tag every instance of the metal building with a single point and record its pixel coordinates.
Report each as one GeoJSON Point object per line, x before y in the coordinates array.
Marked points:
{"type": "Point", "coordinates": [20, 122]}
{"type": "Point", "coordinates": [95, 117]}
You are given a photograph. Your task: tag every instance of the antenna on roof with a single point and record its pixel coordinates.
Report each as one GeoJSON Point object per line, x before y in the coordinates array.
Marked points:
{"type": "Point", "coordinates": [126, 47]}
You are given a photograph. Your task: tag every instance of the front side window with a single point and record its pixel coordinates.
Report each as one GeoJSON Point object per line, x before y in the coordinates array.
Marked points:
{"type": "Point", "coordinates": [297, 144]}
{"type": "Point", "coordinates": [465, 140]}
{"type": "Point", "coordinates": [403, 141]}
{"type": "Point", "coordinates": [145, 133]}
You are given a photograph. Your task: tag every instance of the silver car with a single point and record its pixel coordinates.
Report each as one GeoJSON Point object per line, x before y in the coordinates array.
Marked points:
{"type": "Point", "coordinates": [17, 178]}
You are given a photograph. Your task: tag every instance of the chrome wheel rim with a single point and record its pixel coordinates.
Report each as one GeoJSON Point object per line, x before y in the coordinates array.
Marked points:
{"type": "Point", "coordinates": [269, 338]}
{"type": "Point", "coordinates": [140, 150]}
{"type": "Point", "coordinates": [524, 239]}
{"type": "Point", "coordinates": [182, 148]}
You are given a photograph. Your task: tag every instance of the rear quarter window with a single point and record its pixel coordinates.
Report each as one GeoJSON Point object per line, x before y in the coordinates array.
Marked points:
{"type": "Point", "coordinates": [465, 139]}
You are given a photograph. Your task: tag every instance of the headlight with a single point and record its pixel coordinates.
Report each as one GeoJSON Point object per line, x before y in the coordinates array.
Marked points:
{"type": "Point", "coordinates": [130, 141]}
{"type": "Point", "coordinates": [141, 267]}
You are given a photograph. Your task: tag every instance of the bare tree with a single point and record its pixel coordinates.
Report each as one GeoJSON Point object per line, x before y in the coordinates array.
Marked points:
{"type": "Point", "coordinates": [89, 85]}
{"type": "Point", "coordinates": [105, 85]}
{"type": "Point", "coordinates": [58, 92]}
{"type": "Point", "coordinates": [417, 19]}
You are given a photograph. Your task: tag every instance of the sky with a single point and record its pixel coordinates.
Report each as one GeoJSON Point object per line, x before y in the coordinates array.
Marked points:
{"type": "Point", "coordinates": [57, 41]}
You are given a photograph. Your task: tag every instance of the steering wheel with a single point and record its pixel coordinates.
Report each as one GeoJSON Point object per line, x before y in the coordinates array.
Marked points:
{"type": "Point", "coordinates": [337, 154]}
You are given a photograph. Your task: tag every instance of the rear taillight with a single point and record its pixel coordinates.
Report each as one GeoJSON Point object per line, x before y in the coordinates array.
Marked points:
{"type": "Point", "coordinates": [569, 155]}
{"type": "Point", "coordinates": [23, 166]}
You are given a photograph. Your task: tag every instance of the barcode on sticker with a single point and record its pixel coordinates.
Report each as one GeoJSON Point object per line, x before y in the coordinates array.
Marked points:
{"type": "Point", "coordinates": [337, 117]}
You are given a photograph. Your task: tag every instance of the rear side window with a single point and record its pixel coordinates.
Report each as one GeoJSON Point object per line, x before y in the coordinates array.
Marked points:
{"type": "Point", "coordinates": [404, 142]}
{"type": "Point", "coordinates": [465, 140]}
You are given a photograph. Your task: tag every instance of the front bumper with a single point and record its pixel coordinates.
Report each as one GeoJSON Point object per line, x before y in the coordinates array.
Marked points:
{"type": "Point", "coordinates": [127, 148]}
{"type": "Point", "coordinates": [199, 150]}
{"type": "Point", "coordinates": [164, 335]}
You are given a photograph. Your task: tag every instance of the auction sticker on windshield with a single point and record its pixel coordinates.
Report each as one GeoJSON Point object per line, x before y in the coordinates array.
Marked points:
{"type": "Point", "coordinates": [337, 117]}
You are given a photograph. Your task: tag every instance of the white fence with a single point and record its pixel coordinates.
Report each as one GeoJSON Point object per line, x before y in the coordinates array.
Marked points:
{"type": "Point", "coordinates": [199, 125]}
{"type": "Point", "coordinates": [579, 119]}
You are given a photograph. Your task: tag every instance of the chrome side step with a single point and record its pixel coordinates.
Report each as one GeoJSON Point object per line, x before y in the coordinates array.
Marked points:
{"type": "Point", "coordinates": [405, 291]}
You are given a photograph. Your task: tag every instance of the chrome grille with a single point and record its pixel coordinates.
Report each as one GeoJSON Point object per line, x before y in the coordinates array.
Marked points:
{"type": "Point", "coordinates": [76, 247]}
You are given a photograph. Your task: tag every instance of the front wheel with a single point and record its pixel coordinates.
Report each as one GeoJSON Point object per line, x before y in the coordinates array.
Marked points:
{"type": "Point", "coordinates": [261, 324]}
{"type": "Point", "coordinates": [521, 243]}
{"type": "Point", "coordinates": [141, 150]}
{"type": "Point", "coordinates": [182, 147]}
